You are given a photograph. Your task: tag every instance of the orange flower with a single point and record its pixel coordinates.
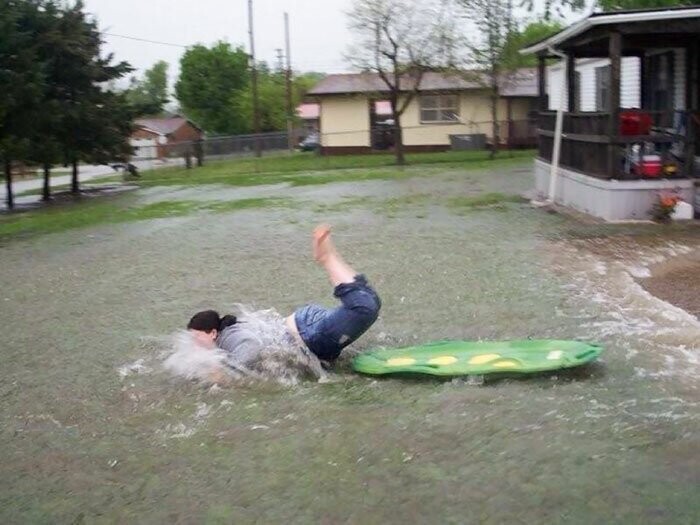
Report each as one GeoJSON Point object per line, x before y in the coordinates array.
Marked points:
{"type": "Point", "coordinates": [668, 202]}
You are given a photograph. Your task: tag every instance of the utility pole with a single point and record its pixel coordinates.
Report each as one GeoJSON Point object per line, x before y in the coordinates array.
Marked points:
{"type": "Point", "coordinates": [254, 81]}
{"type": "Point", "coordinates": [288, 82]}
{"type": "Point", "coordinates": [280, 61]}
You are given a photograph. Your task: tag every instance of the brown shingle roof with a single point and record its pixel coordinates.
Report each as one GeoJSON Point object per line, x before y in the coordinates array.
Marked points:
{"type": "Point", "coordinates": [161, 125]}
{"type": "Point", "coordinates": [521, 83]}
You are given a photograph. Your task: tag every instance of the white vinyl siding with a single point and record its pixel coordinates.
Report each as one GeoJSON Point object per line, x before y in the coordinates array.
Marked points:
{"type": "Point", "coordinates": [630, 88]}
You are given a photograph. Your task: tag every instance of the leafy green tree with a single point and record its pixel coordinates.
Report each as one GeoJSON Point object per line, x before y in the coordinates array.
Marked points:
{"type": "Point", "coordinates": [149, 95]}
{"type": "Point", "coordinates": [305, 81]}
{"type": "Point", "coordinates": [95, 123]}
{"type": "Point", "coordinates": [22, 82]}
{"type": "Point", "coordinates": [53, 103]}
{"type": "Point", "coordinates": [210, 81]}
{"type": "Point", "coordinates": [520, 38]}
{"type": "Point", "coordinates": [272, 97]}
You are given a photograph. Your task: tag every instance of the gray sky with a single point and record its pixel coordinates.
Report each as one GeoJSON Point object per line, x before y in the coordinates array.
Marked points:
{"type": "Point", "coordinates": [319, 34]}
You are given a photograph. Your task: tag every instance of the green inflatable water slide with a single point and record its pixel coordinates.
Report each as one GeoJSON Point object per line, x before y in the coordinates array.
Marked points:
{"type": "Point", "coordinates": [458, 358]}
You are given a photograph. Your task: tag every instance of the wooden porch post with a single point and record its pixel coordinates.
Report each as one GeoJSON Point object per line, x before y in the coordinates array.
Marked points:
{"type": "Point", "coordinates": [615, 52]}
{"type": "Point", "coordinates": [541, 82]}
{"type": "Point", "coordinates": [691, 105]}
{"type": "Point", "coordinates": [571, 81]}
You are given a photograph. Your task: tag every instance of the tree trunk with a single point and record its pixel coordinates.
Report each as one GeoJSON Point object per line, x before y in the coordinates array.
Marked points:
{"type": "Point", "coordinates": [46, 193]}
{"type": "Point", "coordinates": [75, 186]}
{"type": "Point", "coordinates": [494, 119]}
{"type": "Point", "coordinates": [8, 182]}
{"type": "Point", "coordinates": [398, 141]}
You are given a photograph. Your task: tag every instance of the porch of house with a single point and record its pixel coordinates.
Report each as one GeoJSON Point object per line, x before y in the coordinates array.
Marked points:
{"type": "Point", "coordinates": [602, 167]}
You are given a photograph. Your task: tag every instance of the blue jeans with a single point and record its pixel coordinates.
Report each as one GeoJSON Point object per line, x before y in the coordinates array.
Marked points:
{"type": "Point", "coordinates": [327, 331]}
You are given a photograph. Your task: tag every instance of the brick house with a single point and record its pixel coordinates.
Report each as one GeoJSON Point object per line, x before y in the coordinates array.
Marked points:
{"type": "Point", "coordinates": [159, 137]}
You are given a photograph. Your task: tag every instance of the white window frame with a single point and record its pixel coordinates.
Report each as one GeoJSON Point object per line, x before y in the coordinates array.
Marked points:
{"type": "Point", "coordinates": [441, 108]}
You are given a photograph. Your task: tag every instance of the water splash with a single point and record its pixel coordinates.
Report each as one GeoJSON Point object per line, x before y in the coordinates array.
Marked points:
{"type": "Point", "coordinates": [660, 339]}
{"type": "Point", "coordinates": [280, 359]}
{"type": "Point", "coordinates": [191, 360]}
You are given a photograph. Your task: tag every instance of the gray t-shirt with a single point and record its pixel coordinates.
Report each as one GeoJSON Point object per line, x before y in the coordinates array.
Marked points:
{"type": "Point", "coordinates": [261, 344]}
{"type": "Point", "coordinates": [241, 344]}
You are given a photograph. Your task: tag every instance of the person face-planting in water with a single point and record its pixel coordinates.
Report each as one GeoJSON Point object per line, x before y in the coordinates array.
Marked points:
{"type": "Point", "coordinates": [205, 326]}
{"type": "Point", "coordinates": [323, 331]}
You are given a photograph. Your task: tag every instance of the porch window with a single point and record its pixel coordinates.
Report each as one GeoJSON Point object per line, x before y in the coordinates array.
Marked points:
{"type": "Point", "coordinates": [602, 88]}
{"type": "Point", "coordinates": [577, 90]}
{"type": "Point", "coordinates": [659, 82]}
{"type": "Point", "coordinates": [439, 108]}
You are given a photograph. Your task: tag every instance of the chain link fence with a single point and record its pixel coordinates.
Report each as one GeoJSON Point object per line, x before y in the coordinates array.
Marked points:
{"type": "Point", "coordinates": [380, 139]}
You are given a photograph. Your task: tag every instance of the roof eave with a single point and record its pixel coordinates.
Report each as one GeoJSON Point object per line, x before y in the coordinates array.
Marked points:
{"type": "Point", "coordinates": [612, 18]}
{"type": "Point", "coordinates": [151, 130]}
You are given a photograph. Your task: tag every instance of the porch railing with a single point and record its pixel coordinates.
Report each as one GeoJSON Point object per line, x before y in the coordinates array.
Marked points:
{"type": "Point", "coordinates": [592, 146]}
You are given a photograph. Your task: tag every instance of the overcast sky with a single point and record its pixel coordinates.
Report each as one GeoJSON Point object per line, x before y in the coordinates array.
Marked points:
{"type": "Point", "coordinates": [319, 34]}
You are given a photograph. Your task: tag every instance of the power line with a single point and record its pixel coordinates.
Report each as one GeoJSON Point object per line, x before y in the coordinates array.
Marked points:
{"type": "Point", "coordinates": [299, 63]}
{"type": "Point", "coordinates": [145, 40]}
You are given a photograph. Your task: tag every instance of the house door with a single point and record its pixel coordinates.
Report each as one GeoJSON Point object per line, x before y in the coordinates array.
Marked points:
{"type": "Point", "coordinates": [381, 125]}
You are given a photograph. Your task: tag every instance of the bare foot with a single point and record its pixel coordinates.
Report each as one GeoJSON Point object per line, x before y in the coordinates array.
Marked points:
{"type": "Point", "coordinates": [322, 244]}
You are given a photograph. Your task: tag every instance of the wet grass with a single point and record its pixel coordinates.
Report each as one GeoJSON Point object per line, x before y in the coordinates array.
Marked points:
{"type": "Point", "coordinates": [81, 444]}
{"type": "Point", "coordinates": [117, 210]}
{"type": "Point", "coordinates": [249, 172]}
{"type": "Point", "coordinates": [302, 170]}
{"type": "Point", "coordinates": [490, 200]}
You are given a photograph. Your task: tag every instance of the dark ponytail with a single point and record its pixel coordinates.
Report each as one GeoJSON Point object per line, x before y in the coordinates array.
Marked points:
{"type": "Point", "coordinates": [226, 321]}
{"type": "Point", "coordinates": [209, 320]}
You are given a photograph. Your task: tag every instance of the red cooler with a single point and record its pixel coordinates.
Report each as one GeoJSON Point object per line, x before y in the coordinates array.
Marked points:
{"type": "Point", "coordinates": [648, 166]}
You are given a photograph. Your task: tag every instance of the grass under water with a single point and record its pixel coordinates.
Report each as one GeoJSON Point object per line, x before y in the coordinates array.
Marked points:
{"type": "Point", "coordinates": [94, 431]}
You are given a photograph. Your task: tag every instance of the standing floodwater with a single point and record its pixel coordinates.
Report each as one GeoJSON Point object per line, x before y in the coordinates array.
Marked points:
{"type": "Point", "coordinates": [93, 429]}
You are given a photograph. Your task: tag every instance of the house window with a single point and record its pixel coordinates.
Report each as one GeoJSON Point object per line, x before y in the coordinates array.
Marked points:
{"type": "Point", "coordinates": [439, 108]}
{"type": "Point", "coordinates": [659, 82]}
{"type": "Point", "coordinates": [602, 88]}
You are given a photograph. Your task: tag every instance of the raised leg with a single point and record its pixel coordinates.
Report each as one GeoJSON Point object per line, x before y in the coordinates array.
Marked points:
{"type": "Point", "coordinates": [327, 256]}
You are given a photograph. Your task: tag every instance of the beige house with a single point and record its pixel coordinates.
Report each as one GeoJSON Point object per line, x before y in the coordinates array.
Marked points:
{"type": "Point", "coordinates": [446, 109]}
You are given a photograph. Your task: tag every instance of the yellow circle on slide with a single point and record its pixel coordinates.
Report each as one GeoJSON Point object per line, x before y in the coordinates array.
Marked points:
{"type": "Point", "coordinates": [443, 360]}
{"type": "Point", "coordinates": [483, 358]}
{"type": "Point", "coordinates": [506, 364]}
{"type": "Point", "coordinates": [400, 361]}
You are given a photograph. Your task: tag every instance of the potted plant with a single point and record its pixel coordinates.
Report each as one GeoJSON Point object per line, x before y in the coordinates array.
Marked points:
{"type": "Point", "coordinates": [664, 206]}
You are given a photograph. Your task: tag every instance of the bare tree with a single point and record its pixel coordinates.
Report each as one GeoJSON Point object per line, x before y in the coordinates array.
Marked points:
{"type": "Point", "coordinates": [489, 48]}
{"type": "Point", "coordinates": [400, 40]}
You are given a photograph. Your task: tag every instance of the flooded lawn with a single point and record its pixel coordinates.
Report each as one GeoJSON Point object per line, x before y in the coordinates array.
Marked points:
{"type": "Point", "coordinates": [94, 431]}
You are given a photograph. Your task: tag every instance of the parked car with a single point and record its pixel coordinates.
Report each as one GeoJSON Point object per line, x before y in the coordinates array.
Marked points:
{"type": "Point", "coordinates": [311, 143]}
